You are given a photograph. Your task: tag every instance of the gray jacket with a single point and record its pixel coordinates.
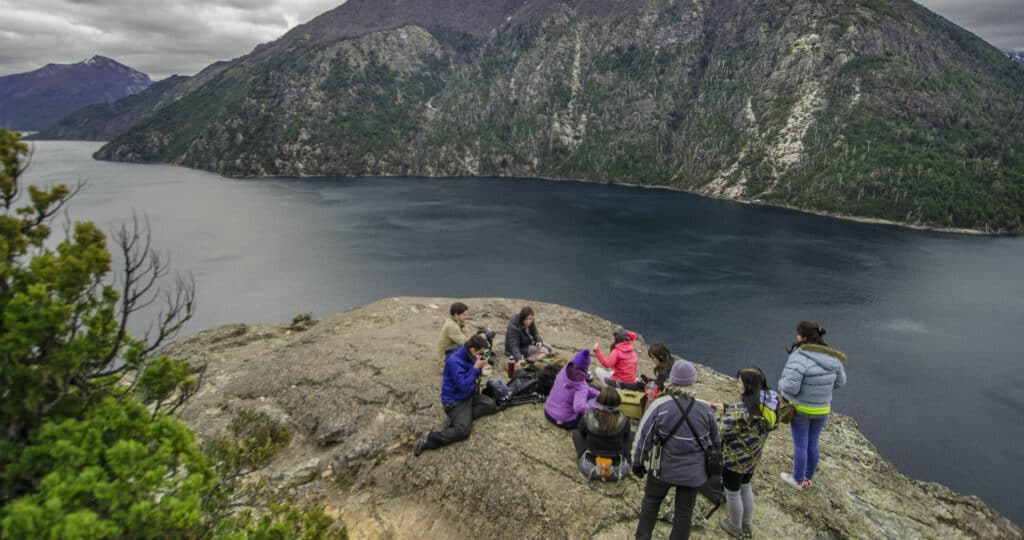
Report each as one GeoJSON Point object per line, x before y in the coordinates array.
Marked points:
{"type": "Point", "coordinates": [682, 461]}
{"type": "Point", "coordinates": [810, 375]}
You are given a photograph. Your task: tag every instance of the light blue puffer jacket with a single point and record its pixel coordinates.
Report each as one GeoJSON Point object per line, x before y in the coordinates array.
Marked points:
{"type": "Point", "coordinates": [810, 375]}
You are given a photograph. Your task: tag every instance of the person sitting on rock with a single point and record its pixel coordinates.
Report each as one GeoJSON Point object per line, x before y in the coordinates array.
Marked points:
{"type": "Point", "coordinates": [570, 394]}
{"type": "Point", "coordinates": [620, 366]}
{"type": "Point", "coordinates": [522, 340]}
{"type": "Point", "coordinates": [681, 464]}
{"type": "Point", "coordinates": [462, 403]}
{"type": "Point", "coordinates": [745, 427]}
{"type": "Point", "coordinates": [663, 360]}
{"type": "Point", "coordinates": [452, 333]}
{"type": "Point", "coordinates": [603, 438]}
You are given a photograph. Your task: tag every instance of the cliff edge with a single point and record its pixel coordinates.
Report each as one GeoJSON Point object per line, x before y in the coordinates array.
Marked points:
{"type": "Point", "coordinates": [359, 387]}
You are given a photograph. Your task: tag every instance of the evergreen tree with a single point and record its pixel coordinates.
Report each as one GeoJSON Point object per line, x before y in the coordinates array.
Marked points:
{"type": "Point", "coordinates": [90, 448]}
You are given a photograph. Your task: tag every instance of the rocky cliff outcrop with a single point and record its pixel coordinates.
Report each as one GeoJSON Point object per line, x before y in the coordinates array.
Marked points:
{"type": "Point", "coordinates": [359, 387]}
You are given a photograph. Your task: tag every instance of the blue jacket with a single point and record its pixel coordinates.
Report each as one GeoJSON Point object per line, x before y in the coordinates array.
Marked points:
{"type": "Point", "coordinates": [810, 375]}
{"type": "Point", "coordinates": [459, 380]}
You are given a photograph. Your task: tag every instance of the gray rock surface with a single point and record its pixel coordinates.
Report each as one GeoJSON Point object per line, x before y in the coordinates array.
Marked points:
{"type": "Point", "coordinates": [359, 387]}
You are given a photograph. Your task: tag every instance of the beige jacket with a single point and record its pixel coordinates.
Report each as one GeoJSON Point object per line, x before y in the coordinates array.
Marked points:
{"type": "Point", "coordinates": [451, 336]}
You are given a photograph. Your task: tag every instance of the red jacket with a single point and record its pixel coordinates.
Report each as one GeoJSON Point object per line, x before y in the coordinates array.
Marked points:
{"type": "Point", "coordinates": [622, 362]}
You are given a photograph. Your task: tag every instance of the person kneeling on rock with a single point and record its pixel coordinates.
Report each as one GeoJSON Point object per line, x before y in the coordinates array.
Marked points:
{"type": "Point", "coordinates": [462, 403]}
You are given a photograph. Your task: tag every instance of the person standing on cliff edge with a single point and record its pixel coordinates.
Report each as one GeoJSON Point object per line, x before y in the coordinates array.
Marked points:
{"type": "Point", "coordinates": [462, 403]}
{"type": "Point", "coordinates": [812, 372]}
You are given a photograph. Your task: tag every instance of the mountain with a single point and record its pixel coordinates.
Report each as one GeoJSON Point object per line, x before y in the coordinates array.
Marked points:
{"type": "Point", "coordinates": [1017, 56]}
{"type": "Point", "coordinates": [104, 121]}
{"type": "Point", "coordinates": [33, 100]}
{"type": "Point", "coordinates": [850, 107]}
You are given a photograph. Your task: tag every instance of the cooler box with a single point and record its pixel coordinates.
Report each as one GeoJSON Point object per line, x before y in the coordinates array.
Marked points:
{"type": "Point", "coordinates": [633, 403]}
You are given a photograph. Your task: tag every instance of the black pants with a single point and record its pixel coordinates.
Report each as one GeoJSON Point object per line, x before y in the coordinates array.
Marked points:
{"type": "Point", "coordinates": [654, 493]}
{"type": "Point", "coordinates": [734, 480]}
{"type": "Point", "coordinates": [460, 420]}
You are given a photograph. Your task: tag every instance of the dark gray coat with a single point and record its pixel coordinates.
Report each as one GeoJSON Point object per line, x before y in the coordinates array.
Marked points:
{"type": "Point", "coordinates": [682, 461]}
{"type": "Point", "coordinates": [519, 339]}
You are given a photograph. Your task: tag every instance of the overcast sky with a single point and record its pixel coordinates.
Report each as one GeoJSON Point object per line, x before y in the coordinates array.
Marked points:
{"type": "Point", "coordinates": [161, 37]}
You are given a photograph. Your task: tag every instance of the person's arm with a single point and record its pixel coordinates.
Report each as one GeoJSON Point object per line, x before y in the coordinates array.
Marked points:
{"type": "Point", "coordinates": [792, 377]}
{"type": "Point", "coordinates": [465, 376]}
{"type": "Point", "coordinates": [535, 333]}
{"type": "Point", "coordinates": [608, 362]}
{"type": "Point", "coordinates": [840, 376]}
{"type": "Point", "coordinates": [512, 338]}
{"type": "Point", "coordinates": [730, 422]}
{"type": "Point", "coordinates": [579, 400]}
{"type": "Point", "coordinates": [454, 333]}
{"type": "Point", "coordinates": [644, 432]}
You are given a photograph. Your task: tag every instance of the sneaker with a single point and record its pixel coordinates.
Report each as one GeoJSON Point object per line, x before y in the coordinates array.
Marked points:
{"type": "Point", "coordinates": [421, 444]}
{"type": "Point", "coordinates": [788, 478]}
{"type": "Point", "coordinates": [808, 483]}
{"type": "Point", "coordinates": [727, 526]}
{"type": "Point", "coordinates": [748, 531]}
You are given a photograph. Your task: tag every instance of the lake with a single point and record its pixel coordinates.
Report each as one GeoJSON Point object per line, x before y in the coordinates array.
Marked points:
{"type": "Point", "coordinates": [932, 323]}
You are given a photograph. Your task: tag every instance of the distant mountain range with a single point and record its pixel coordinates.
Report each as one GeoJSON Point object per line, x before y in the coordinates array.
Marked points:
{"type": "Point", "coordinates": [32, 101]}
{"type": "Point", "coordinates": [1016, 55]}
{"type": "Point", "coordinates": [104, 121]}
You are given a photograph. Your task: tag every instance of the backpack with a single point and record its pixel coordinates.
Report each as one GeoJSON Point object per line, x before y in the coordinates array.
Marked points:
{"type": "Point", "coordinates": [546, 378]}
{"type": "Point", "coordinates": [519, 391]}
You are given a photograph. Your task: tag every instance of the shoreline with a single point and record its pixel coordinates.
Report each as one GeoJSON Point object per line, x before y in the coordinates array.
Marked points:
{"type": "Point", "coordinates": [757, 202]}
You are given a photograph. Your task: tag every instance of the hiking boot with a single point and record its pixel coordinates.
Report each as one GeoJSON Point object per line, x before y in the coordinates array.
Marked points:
{"type": "Point", "coordinates": [748, 531]}
{"type": "Point", "coordinates": [727, 526]}
{"type": "Point", "coordinates": [421, 444]}
{"type": "Point", "coordinates": [788, 478]}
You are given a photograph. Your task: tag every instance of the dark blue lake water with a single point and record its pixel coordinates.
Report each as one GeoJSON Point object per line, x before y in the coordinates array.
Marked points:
{"type": "Point", "coordinates": [932, 323]}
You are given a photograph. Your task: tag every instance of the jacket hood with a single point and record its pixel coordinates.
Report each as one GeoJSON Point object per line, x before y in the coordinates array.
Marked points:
{"type": "Point", "coordinates": [624, 346]}
{"type": "Point", "coordinates": [826, 357]}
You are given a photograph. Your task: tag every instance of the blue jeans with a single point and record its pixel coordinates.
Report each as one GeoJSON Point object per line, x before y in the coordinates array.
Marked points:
{"type": "Point", "coordinates": [806, 430]}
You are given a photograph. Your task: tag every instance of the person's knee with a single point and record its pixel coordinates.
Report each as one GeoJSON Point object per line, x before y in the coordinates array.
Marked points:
{"type": "Point", "coordinates": [461, 431]}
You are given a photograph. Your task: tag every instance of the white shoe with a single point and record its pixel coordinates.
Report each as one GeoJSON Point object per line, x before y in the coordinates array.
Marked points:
{"type": "Point", "coordinates": [788, 478]}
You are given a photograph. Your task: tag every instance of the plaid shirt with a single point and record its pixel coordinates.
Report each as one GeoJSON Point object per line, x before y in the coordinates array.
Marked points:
{"type": "Point", "coordinates": [743, 437]}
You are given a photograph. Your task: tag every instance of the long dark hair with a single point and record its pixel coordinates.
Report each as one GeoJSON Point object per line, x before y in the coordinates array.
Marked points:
{"type": "Point", "coordinates": [662, 358]}
{"type": "Point", "coordinates": [524, 313]}
{"type": "Point", "coordinates": [754, 383]}
{"type": "Point", "coordinates": [608, 418]}
{"type": "Point", "coordinates": [812, 332]}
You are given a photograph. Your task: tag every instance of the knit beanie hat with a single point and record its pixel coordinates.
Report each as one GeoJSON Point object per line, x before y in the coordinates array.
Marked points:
{"type": "Point", "coordinates": [621, 334]}
{"type": "Point", "coordinates": [683, 373]}
{"type": "Point", "coordinates": [582, 360]}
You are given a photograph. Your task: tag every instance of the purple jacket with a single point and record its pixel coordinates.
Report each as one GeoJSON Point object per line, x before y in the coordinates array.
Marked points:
{"type": "Point", "coordinates": [568, 398]}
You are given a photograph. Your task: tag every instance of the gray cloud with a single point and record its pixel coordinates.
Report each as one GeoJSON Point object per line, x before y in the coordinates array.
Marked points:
{"type": "Point", "coordinates": [1000, 22]}
{"type": "Point", "coordinates": [157, 37]}
{"type": "Point", "coordinates": [184, 36]}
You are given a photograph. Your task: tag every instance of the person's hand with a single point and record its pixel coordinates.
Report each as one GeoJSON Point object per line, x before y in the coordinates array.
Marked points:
{"type": "Point", "coordinates": [717, 406]}
{"type": "Point", "coordinates": [480, 362]}
{"type": "Point", "coordinates": [597, 344]}
{"type": "Point", "coordinates": [639, 470]}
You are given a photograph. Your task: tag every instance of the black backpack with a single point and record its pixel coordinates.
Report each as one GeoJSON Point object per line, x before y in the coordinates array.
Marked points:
{"type": "Point", "coordinates": [520, 391]}
{"type": "Point", "coordinates": [546, 378]}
